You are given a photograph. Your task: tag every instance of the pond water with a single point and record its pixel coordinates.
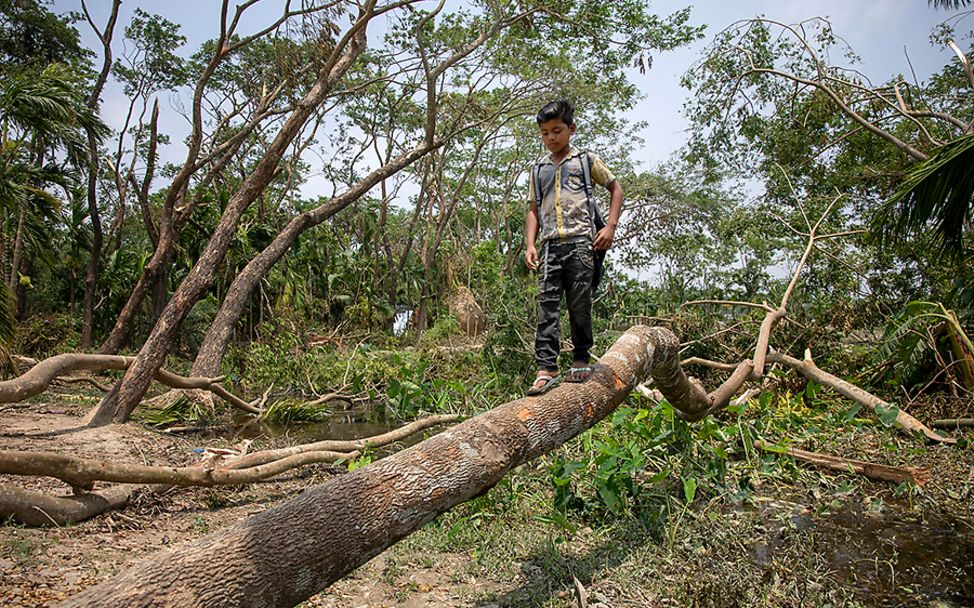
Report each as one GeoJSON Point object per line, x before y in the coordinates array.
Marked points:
{"type": "Point", "coordinates": [340, 426]}
{"type": "Point", "coordinates": [891, 557]}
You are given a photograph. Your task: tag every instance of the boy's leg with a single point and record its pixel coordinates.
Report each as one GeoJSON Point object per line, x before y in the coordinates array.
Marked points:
{"type": "Point", "coordinates": [577, 276]}
{"type": "Point", "coordinates": [547, 340]}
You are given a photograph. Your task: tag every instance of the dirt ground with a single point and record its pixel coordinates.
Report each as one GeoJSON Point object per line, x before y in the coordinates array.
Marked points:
{"type": "Point", "coordinates": [39, 567]}
{"type": "Point", "coordinates": [851, 546]}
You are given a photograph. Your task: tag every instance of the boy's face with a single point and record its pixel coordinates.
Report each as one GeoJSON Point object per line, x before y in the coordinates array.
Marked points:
{"type": "Point", "coordinates": [555, 135]}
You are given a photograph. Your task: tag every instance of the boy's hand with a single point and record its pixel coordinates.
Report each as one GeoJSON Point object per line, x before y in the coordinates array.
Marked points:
{"type": "Point", "coordinates": [531, 257]}
{"type": "Point", "coordinates": [603, 240]}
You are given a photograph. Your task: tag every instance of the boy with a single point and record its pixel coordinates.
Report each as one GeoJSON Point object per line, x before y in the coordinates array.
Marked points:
{"type": "Point", "coordinates": [565, 227]}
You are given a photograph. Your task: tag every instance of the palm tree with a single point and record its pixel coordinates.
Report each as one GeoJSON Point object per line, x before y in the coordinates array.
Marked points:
{"type": "Point", "coordinates": [938, 190]}
{"type": "Point", "coordinates": [43, 116]}
{"type": "Point", "coordinates": [950, 5]}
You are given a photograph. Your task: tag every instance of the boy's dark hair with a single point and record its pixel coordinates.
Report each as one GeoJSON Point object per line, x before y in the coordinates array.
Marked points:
{"type": "Point", "coordinates": [559, 108]}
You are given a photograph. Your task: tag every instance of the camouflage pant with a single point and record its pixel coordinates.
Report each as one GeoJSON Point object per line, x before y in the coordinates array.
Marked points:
{"type": "Point", "coordinates": [565, 267]}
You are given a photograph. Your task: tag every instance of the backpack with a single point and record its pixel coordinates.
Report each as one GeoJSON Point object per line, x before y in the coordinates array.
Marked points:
{"type": "Point", "coordinates": [593, 212]}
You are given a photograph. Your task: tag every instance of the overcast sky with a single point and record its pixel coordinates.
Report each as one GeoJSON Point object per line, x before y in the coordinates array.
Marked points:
{"type": "Point", "coordinates": [877, 30]}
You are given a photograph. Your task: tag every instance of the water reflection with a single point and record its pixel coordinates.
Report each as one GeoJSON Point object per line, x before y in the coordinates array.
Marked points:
{"type": "Point", "coordinates": [892, 557]}
{"type": "Point", "coordinates": [339, 426]}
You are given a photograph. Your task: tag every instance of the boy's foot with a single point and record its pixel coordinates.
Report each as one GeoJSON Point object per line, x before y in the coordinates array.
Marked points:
{"type": "Point", "coordinates": [542, 384]}
{"type": "Point", "coordinates": [580, 372]}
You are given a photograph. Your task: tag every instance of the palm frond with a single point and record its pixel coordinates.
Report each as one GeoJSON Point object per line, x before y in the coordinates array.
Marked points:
{"type": "Point", "coordinates": [938, 190]}
{"type": "Point", "coordinates": [50, 105]}
{"type": "Point", "coordinates": [951, 5]}
{"type": "Point", "coordinates": [8, 319]}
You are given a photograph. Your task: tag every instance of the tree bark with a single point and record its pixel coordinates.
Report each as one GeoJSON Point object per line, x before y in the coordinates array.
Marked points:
{"type": "Point", "coordinates": [36, 380]}
{"type": "Point", "coordinates": [94, 259]}
{"type": "Point", "coordinates": [288, 553]}
{"type": "Point", "coordinates": [211, 352]}
{"type": "Point", "coordinates": [160, 294]}
{"type": "Point", "coordinates": [126, 395]}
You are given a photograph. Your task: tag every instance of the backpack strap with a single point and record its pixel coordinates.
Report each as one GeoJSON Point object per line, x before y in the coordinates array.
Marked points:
{"type": "Point", "coordinates": [536, 176]}
{"type": "Point", "coordinates": [593, 211]}
{"type": "Point", "coordinates": [538, 194]}
{"type": "Point", "coordinates": [587, 173]}
{"type": "Point", "coordinates": [595, 217]}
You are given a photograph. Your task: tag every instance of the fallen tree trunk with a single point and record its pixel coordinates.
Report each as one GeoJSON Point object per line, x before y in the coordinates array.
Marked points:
{"type": "Point", "coordinates": [38, 378]}
{"type": "Point", "coordinates": [870, 470]}
{"type": "Point", "coordinates": [288, 553]}
{"type": "Point", "coordinates": [39, 509]}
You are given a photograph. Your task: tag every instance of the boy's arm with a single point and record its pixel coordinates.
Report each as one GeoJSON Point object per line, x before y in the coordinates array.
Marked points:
{"type": "Point", "coordinates": [603, 240]}
{"type": "Point", "coordinates": [530, 235]}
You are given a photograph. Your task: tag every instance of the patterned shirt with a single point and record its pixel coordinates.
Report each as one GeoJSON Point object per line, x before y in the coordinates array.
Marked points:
{"type": "Point", "coordinates": [564, 212]}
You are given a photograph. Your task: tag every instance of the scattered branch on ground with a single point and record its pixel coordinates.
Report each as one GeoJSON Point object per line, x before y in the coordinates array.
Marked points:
{"type": "Point", "coordinates": [952, 423]}
{"type": "Point", "coordinates": [811, 371]}
{"type": "Point", "coordinates": [883, 472]}
{"type": "Point", "coordinates": [222, 467]}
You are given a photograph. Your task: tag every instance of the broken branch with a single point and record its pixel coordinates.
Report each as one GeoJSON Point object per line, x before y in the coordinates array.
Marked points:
{"type": "Point", "coordinates": [871, 470]}
{"type": "Point", "coordinates": [38, 378]}
{"type": "Point", "coordinates": [811, 371]}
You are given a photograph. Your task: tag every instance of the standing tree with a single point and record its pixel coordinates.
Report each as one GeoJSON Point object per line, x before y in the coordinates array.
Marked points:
{"type": "Point", "coordinates": [338, 57]}
{"type": "Point", "coordinates": [91, 276]}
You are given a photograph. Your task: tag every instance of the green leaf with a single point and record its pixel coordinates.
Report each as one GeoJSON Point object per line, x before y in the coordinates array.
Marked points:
{"type": "Point", "coordinates": [659, 476]}
{"type": "Point", "coordinates": [689, 488]}
{"type": "Point", "coordinates": [609, 496]}
{"type": "Point", "coordinates": [887, 415]}
{"type": "Point", "coordinates": [851, 413]}
{"type": "Point", "coordinates": [812, 389]}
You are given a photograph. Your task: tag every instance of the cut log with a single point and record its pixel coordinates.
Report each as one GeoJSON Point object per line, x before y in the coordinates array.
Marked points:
{"type": "Point", "coordinates": [288, 553]}
{"type": "Point", "coordinates": [871, 470]}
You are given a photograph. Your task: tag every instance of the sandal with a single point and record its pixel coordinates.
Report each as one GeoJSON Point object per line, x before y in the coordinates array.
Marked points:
{"type": "Point", "coordinates": [542, 384]}
{"type": "Point", "coordinates": [580, 373]}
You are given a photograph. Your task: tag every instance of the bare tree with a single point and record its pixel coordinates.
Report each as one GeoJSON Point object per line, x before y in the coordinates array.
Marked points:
{"type": "Point", "coordinates": [91, 275]}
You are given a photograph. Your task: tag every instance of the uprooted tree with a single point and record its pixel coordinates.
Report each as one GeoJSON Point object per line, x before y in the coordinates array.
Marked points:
{"type": "Point", "coordinates": [288, 553]}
